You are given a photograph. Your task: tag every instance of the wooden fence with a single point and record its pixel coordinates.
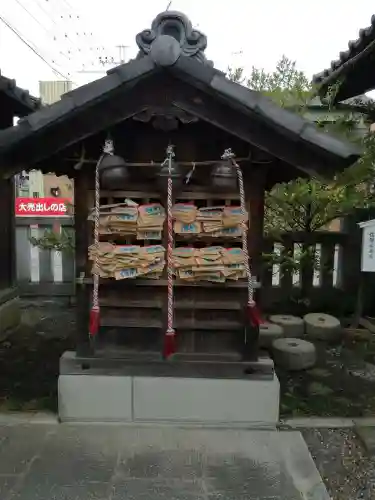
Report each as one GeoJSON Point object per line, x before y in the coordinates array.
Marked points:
{"type": "Point", "coordinates": [335, 270]}
{"type": "Point", "coordinates": [42, 272]}
{"type": "Point", "coordinates": [337, 254]}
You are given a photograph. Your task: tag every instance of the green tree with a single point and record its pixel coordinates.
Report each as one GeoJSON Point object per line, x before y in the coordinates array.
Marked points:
{"type": "Point", "coordinates": [286, 85]}
{"type": "Point", "coordinates": [309, 205]}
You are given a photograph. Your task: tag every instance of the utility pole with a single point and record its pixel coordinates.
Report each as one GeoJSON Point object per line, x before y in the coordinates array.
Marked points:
{"type": "Point", "coordinates": [122, 53]}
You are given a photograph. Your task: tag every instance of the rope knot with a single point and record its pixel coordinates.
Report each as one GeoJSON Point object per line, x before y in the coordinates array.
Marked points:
{"type": "Point", "coordinates": [228, 154]}
{"type": "Point", "coordinates": [108, 147]}
{"type": "Point", "coordinates": [170, 151]}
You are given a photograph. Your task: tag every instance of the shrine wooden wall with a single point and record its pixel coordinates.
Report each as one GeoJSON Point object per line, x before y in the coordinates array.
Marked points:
{"type": "Point", "coordinates": [7, 261]}
{"type": "Point", "coordinates": [208, 316]}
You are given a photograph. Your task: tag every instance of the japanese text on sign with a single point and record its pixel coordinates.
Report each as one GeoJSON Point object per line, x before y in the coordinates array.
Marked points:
{"type": "Point", "coordinates": [371, 240]}
{"type": "Point", "coordinates": [41, 207]}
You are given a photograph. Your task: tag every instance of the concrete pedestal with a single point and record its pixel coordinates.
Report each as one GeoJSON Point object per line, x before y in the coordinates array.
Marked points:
{"type": "Point", "coordinates": [163, 392]}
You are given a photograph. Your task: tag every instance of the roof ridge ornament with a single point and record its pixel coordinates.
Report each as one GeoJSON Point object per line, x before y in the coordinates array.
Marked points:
{"type": "Point", "coordinates": [177, 25]}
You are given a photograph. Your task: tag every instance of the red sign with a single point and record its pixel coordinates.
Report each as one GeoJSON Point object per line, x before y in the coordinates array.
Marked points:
{"type": "Point", "coordinates": [42, 207]}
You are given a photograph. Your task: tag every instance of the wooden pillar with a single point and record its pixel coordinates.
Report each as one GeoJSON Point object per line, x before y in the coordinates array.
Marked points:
{"type": "Point", "coordinates": [81, 206]}
{"type": "Point", "coordinates": [7, 236]}
{"type": "Point", "coordinates": [255, 191]}
{"type": "Point", "coordinates": [254, 188]}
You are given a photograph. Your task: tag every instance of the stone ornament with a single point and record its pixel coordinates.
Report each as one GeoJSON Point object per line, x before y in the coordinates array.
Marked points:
{"type": "Point", "coordinates": [268, 332]}
{"type": "Point", "coordinates": [294, 354]}
{"type": "Point", "coordinates": [322, 326]}
{"type": "Point", "coordinates": [292, 325]}
{"type": "Point", "coordinates": [175, 25]}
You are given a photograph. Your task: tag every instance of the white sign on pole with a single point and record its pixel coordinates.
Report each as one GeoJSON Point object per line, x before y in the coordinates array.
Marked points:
{"type": "Point", "coordinates": [368, 246]}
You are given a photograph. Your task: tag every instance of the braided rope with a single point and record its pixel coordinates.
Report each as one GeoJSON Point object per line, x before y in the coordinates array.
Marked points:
{"type": "Point", "coordinates": [229, 155]}
{"type": "Point", "coordinates": [170, 329]}
{"type": "Point", "coordinates": [95, 290]}
{"type": "Point", "coordinates": [108, 149]}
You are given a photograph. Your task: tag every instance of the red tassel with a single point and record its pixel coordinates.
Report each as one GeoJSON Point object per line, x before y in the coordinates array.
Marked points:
{"type": "Point", "coordinates": [254, 315]}
{"type": "Point", "coordinates": [169, 347]}
{"type": "Point", "coordinates": [94, 321]}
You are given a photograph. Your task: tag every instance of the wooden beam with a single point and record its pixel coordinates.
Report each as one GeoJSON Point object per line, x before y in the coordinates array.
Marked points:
{"type": "Point", "coordinates": [78, 126]}
{"type": "Point", "coordinates": [160, 90]}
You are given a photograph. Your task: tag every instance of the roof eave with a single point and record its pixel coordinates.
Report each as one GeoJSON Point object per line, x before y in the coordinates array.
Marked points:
{"type": "Point", "coordinates": [267, 110]}
{"type": "Point", "coordinates": [358, 52]}
{"type": "Point", "coordinates": [251, 104]}
{"type": "Point", "coordinates": [24, 102]}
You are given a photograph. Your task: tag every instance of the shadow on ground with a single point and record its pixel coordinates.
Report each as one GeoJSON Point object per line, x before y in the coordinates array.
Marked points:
{"type": "Point", "coordinates": [341, 384]}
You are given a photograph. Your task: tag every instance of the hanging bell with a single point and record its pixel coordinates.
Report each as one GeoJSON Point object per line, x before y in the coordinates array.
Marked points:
{"type": "Point", "coordinates": [113, 171]}
{"type": "Point", "coordinates": [175, 175]}
{"type": "Point", "coordinates": [224, 177]}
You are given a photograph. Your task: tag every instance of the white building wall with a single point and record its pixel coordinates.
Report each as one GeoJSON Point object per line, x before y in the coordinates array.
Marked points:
{"type": "Point", "coordinates": [51, 91]}
{"type": "Point", "coordinates": [36, 184]}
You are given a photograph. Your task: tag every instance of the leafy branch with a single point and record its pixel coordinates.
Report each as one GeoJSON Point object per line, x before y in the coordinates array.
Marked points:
{"type": "Point", "coordinates": [51, 240]}
{"type": "Point", "coordinates": [60, 240]}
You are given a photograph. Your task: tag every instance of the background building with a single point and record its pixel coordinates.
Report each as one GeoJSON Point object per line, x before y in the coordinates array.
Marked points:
{"type": "Point", "coordinates": [34, 184]}
{"type": "Point", "coordinates": [51, 91]}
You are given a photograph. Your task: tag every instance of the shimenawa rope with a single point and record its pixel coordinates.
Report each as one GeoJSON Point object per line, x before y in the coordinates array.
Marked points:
{"type": "Point", "coordinates": [228, 155]}
{"type": "Point", "coordinates": [169, 347]}
{"type": "Point", "coordinates": [95, 309]}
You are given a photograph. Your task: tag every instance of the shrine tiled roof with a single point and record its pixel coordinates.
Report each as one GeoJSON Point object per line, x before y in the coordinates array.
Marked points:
{"type": "Point", "coordinates": [353, 69]}
{"type": "Point", "coordinates": [24, 103]}
{"type": "Point", "coordinates": [163, 54]}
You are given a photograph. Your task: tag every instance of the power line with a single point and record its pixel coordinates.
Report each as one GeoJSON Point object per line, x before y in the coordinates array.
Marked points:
{"type": "Point", "coordinates": [49, 33]}
{"type": "Point", "coordinates": [111, 62]}
{"type": "Point", "coordinates": [61, 33]}
{"type": "Point", "coordinates": [67, 13]}
{"type": "Point", "coordinates": [47, 58]}
{"type": "Point", "coordinates": [73, 33]}
{"type": "Point", "coordinates": [8, 25]}
{"type": "Point", "coordinates": [64, 34]}
{"type": "Point", "coordinates": [58, 37]}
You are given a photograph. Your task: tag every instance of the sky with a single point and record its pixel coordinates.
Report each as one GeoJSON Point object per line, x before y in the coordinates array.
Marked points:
{"type": "Point", "coordinates": [71, 35]}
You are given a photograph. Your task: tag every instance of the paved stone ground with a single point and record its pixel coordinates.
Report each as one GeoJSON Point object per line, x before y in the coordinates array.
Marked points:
{"type": "Point", "coordinates": [87, 462]}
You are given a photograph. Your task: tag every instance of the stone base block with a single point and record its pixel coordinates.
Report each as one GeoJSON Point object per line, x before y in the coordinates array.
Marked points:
{"type": "Point", "coordinates": [208, 401]}
{"type": "Point", "coordinates": [113, 395]}
{"type": "Point", "coordinates": [95, 398]}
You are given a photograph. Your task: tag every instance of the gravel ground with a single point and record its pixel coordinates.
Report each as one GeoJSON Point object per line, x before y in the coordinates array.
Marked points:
{"type": "Point", "coordinates": [348, 472]}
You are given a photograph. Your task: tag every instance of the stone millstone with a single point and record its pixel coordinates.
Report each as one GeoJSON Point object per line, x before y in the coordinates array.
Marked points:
{"type": "Point", "coordinates": [321, 326]}
{"type": "Point", "coordinates": [294, 354]}
{"type": "Point", "coordinates": [293, 326]}
{"type": "Point", "coordinates": [268, 332]}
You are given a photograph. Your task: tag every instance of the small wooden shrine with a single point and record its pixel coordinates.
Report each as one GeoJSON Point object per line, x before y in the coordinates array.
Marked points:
{"type": "Point", "coordinates": [170, 95]}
